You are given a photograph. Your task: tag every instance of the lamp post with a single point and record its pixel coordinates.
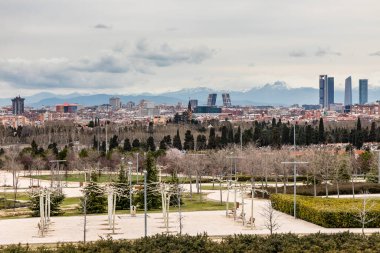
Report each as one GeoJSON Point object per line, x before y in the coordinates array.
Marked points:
{"type": "Point", "coordinates": [137, 168]}
{"type": "Point", "coordinates": [145, 205]}
{"type": "Point", "coordinates": [130, 186]}
{"type": "Point", "coordinates": [294, 183]}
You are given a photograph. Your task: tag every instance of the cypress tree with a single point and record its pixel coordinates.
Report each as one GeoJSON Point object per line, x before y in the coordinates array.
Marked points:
{"type": "Point", "coordinates": [321, 131]}
{"type": "Point", "coordinates": [189, 141]}
{"type": "Point", "coordinates": [211, 139]}
{"type": "Point", "coordinates": [177, 141]}
{"type": "Point", "coordinates": [127, 145]}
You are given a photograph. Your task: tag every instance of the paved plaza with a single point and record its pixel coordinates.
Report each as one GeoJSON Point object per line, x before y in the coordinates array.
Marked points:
{"type": "Point", "coordinates": [214, 223]}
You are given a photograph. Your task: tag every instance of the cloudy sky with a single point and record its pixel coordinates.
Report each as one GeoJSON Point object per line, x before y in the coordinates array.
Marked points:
{"type": "Point", "coordinates": [124, 47]}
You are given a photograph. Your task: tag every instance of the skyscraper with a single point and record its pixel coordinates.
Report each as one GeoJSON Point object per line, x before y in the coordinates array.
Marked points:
{"type": "Point", "coordinates": [115, 103]}
{"type": "Point", "coordinates": [330, 90]}
{"type": "Point", "coordinates": [211, 101]}
{"type": "Point", "coordinates": [226, 99]}
{"type": "Point", "coordinates": [18, 105]}
{"type": "Point", "coordinates": [323, 91]}
{"type": "Point", "coordinates": [363, 91]}
{"type": "Point", "coordinates": [348, 91]}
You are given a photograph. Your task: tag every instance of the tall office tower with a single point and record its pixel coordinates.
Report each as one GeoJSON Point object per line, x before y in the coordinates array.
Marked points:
{"type": "Point", "coordinates": [18, 105]}
{"type": "Point", "coordinates": [330, 90]}
{"type": "Point", "coordinates": [115, 103]}
{"type": "Point", "coordinates": [211, 101]}
{"type": "Point", "coordinates": [193, 103]}
{"type": "Point", "coordinates": [348, 91]}
{"type": "Point", "coordinates": [363, 91]}
{"type": "Point", "coordinates": [323, 91]}
{"type": "Point", "coordinates": [226, 99]}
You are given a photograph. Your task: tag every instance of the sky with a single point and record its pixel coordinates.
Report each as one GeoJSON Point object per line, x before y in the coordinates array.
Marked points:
{"type": "Point", "coordinates": [130, 47]}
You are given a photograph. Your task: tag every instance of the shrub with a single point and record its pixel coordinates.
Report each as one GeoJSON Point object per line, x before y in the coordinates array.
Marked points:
{"type": "Point", "coordinates": [345, 188]}
{"type": "Point", "coordinates": [327, 212]}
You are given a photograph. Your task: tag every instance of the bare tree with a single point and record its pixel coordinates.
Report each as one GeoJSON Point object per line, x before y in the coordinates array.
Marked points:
{"type": "Point", "coordinates": [270, 217]}
{"type": "Point", "coordinates": [362, 211]}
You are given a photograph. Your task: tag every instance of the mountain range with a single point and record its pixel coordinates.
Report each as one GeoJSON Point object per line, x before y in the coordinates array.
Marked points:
{"type": "Point", "coordinates": [277, 93]}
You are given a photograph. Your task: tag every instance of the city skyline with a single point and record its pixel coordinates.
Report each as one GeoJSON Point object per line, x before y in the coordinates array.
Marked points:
{"type": "Point", "coordinates": [126, 47]}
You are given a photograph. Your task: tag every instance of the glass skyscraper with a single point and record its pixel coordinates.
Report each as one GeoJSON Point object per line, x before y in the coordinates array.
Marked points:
{"type": "Point", "coordinates": [363, 91]}
{"type": "Point", "coordinates": [348, 91]}
{"type": "Point", "coordinates": [323, 91]}
{"type": "Point", "coordinates": [330, 90]}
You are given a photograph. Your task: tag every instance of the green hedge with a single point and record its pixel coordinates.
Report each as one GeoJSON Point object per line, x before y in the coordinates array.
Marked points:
{"type": "Point", "coordinates": [327, 212]}
{"type": "Point", "coordinates": [344, 189]}
{"type": "Point", "coordinates": [340, 242]}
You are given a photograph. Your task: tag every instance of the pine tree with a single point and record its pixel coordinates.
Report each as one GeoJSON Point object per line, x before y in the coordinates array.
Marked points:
{"type": "Point", "coordinates": [95, 198]}
{"type": "Point", "coordinates": [230, 135]}
{"type": "Point", "coordinates": [122, 187]}
{"type": "Point", "coordinates": [56, 199]}
{"type": "Point", "coordinates": [237, 136]}
{"type": "Point", "coordinates": [177, 141]}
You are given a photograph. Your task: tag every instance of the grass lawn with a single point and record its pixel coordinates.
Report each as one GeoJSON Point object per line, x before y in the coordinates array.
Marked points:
{"type": "Point", "coordinates": [70, 206]}
{"type": "Point", "coordinates": [216, 187]}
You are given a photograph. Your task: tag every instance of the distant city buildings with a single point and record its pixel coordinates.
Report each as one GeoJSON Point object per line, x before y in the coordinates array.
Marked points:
{"type": "Point", "coordinates": [18, 105]}
{"type": "Point", "coordinates": [193, 103]}
{"type": "Point", "coordinates": [211, 101]}
{"type": "Point", "coordinates": [348, 91]}
{"type": "Point", "coordinates": [330, 90]}
{"type": "Point", "coordinates": [323, 91]}
{"type": "Point", "coordinates": [226, 99]}
{"type": "Point", "coordinates": [363, 91]}
{"type": "Point", "coordinates": [115, 103]}
{"type": "Point", "coordinates": [66, 108]}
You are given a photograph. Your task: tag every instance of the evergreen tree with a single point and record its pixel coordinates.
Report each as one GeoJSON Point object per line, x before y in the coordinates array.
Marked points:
{"type": "Point", "coordinates": [177, 141]}
{"type": "Point", "coordinates": [224, 137]}
{"type": "Point", "coordinates": [122, 187]}
{"type": "Point", "coordinates": [96, 199]}
{"type": "Point", "coordinates": [201, 142]}
{"type": "Point", "coordinates": [230, 135]}
{"type": "Point", "coordinates": [358, 135]}
{"type": "Point", "coordinates": [114, 143]}
{"type": "Point", "coordinates": [189, 141]}
{"type": "Point", "coordinates": [321, 131]}
{"type": "Point", "coordinates": [136, 143]}
{"type": "Point", "coordinates": [211, 139]}
{"type": "Point", "coordinates": [95, 143]}
{"type": "Point", "coordinates": [153, 196]}
{"type": "Point", "coordinates": [127, 145]}
{"type": "Point", "coordinates": [285, 134]}
{"type": "Point", "coordinates": [56, 199]}
{"type": "Point", "coordinates": [150, 146]}
{"type": "Point", "coordinates": [372, 132]}
{"type": "Point", "coordinates": [237, 136]}
{"type": "Point", "coordinates": [276, 138]}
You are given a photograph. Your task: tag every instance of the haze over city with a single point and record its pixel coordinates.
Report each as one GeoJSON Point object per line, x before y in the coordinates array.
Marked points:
{"type": "Point", "coordinates": [129, 47]}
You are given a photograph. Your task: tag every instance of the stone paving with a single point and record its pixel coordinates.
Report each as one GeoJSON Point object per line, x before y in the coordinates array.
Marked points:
{"type": "Point", "coordinates": [214, 223]}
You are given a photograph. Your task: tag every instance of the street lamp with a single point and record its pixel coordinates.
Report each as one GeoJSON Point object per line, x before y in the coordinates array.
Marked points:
{"type": "Point", "coordinates": [130, 186]}
{"type": "Point", "coordinates": [294, 182]}
{"type": "Point", "coordinates": [145, 205]}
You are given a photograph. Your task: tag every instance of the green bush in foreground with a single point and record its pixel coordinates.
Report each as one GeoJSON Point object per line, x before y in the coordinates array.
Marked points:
{"type": "Point", "coordinates": [342, 242]}
{"type": "Point", "coordinates": [329, 212]}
